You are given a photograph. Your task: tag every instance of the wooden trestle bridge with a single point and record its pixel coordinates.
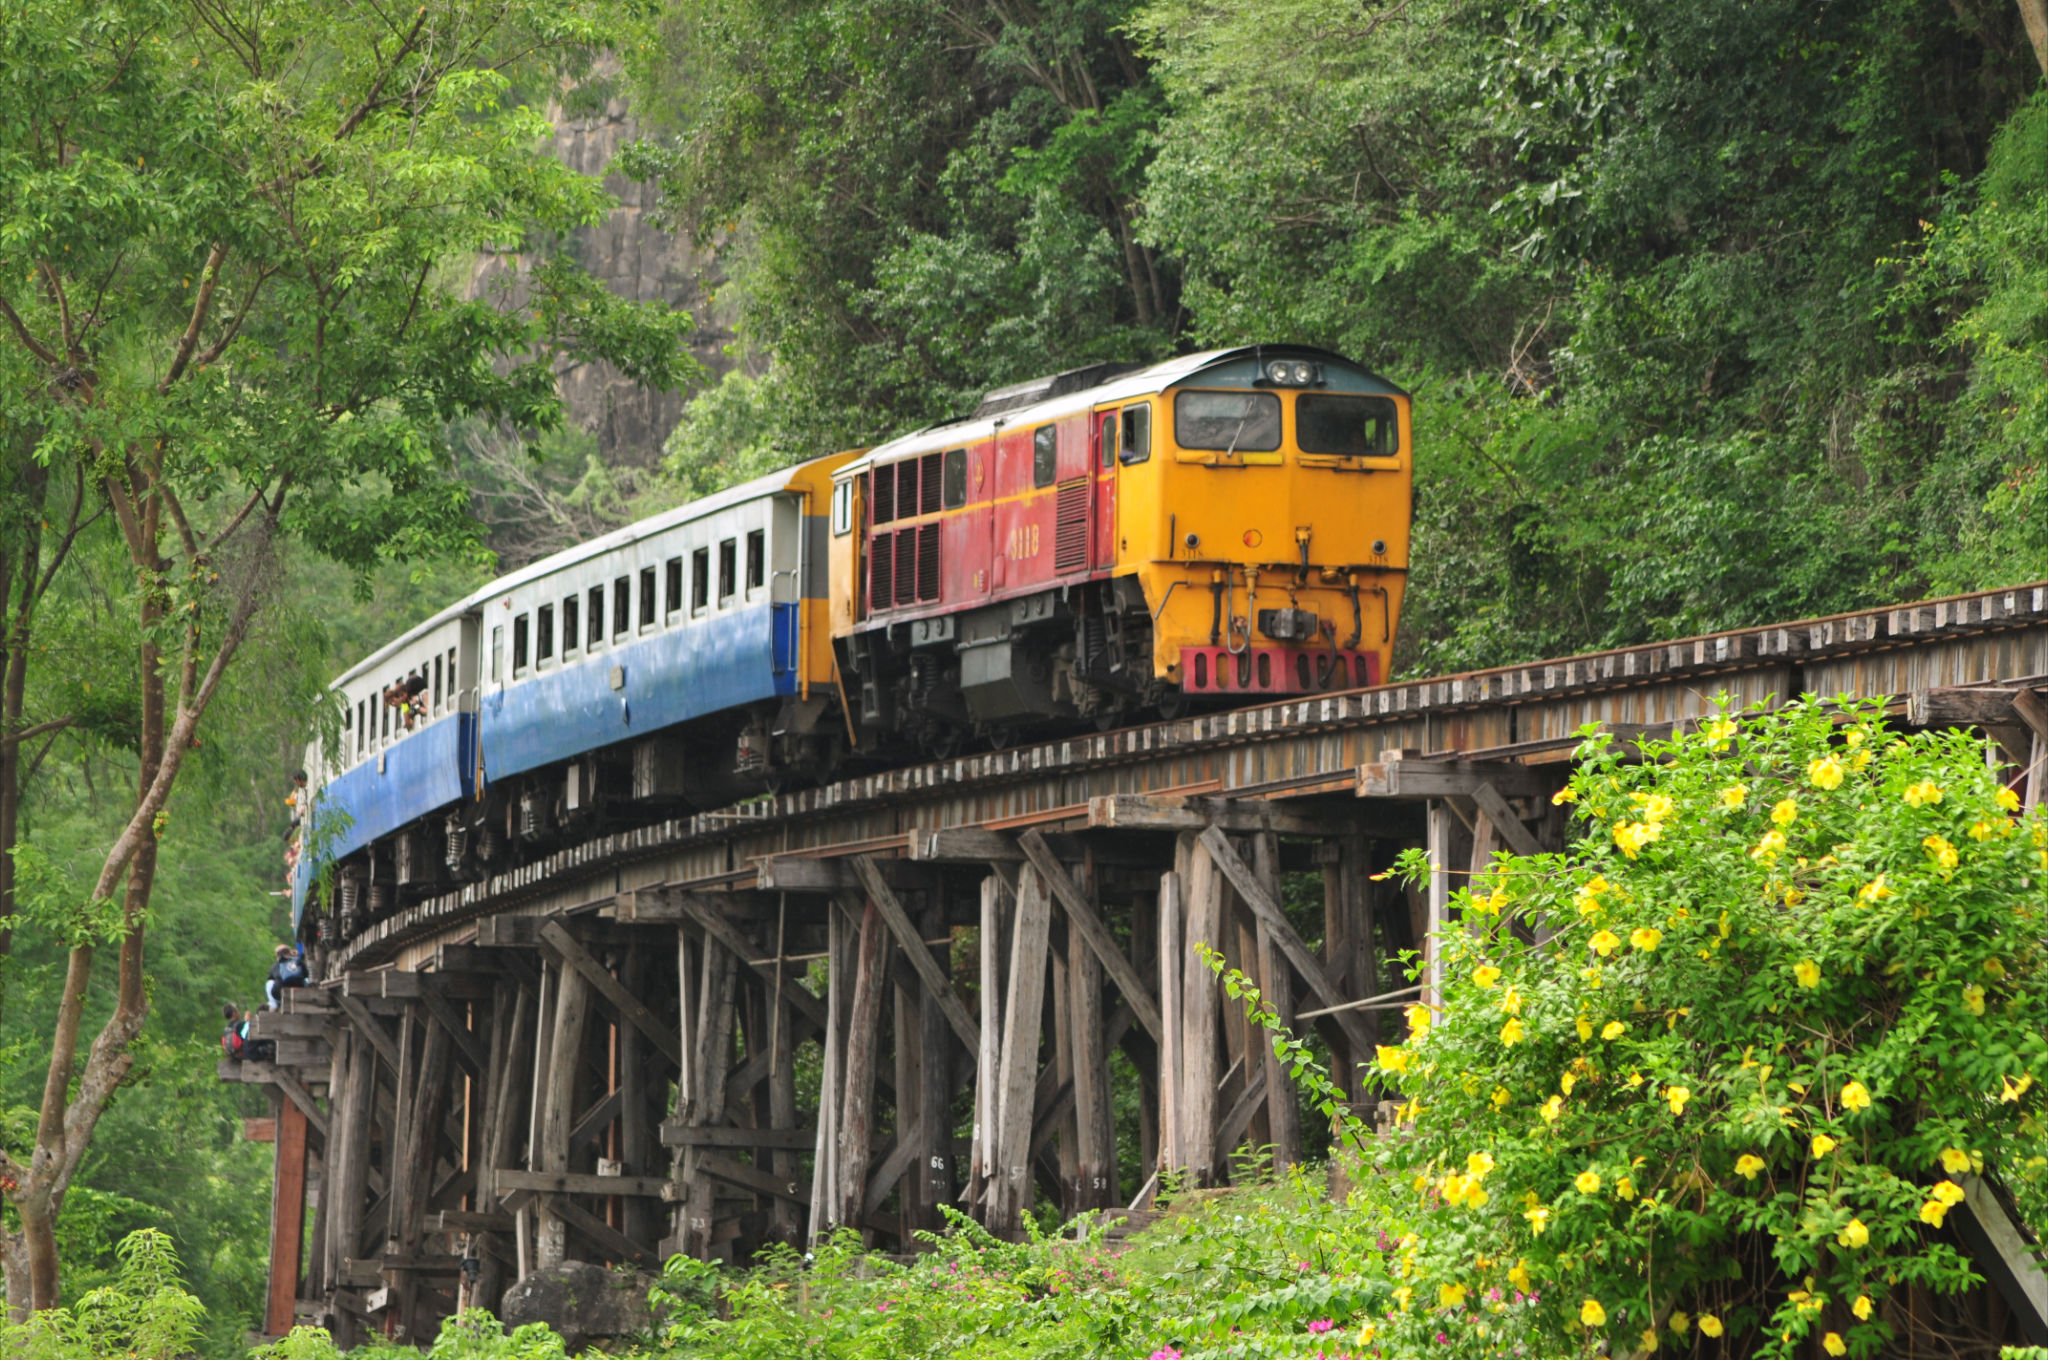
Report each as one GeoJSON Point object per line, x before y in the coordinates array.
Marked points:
{"type": "Point", "coordinates": [962, 983]}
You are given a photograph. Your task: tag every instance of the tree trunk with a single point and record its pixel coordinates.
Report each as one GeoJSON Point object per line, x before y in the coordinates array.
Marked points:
{"type": "Point", "coordinates": [2034, 14]}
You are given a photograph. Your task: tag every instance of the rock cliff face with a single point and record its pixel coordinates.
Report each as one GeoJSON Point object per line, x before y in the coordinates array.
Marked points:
{"type": "Point", "coordinates": [638, 260]}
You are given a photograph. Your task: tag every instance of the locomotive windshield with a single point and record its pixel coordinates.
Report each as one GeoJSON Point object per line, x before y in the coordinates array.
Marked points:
{"type": "Point", "coordinates": [1227, 421]}
{"type": "Point", "coordinates": [1357, 427]}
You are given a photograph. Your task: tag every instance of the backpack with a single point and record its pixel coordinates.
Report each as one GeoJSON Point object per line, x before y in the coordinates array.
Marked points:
{"type": "Point", "coordinates": [231, 1041]}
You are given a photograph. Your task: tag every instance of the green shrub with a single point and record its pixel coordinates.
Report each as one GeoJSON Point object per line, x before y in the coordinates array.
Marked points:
{"type": "Point", "coordinates": [1792, 996]}
{"type": "Point", "coordinates": [143, 1314]}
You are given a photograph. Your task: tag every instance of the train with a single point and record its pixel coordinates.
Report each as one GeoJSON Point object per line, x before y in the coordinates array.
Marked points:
{"type": "Point", "coordinates": [1101, 546]}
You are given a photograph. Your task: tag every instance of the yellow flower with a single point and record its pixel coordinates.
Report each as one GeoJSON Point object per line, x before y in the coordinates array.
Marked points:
{"type": "Point", "coordinates": [1455, 1188]}
{"type": "Point", "coordinates": [1718, 732]}
{"type": "Point", "coordinates": [1633, 836]}
{"type": "Point", "coordinates": [1566, 1081]}
{"type": "Point", "coordinates": [1994, 968]}
{"type": "Point", "coordinates": [1942, 853]}
{"type": "Point", "coordinates": [1948, 1192]}
{"type": "Point", "coordinates": [1592, 1314]}
{"type": "Point", "coordinates": [1635, 1079]}
{"type": "Point", "coordinates": [1710, 1326]}
{"type": "Point", "coordinates": [1418, 1021]}
{"type": "Point", "coordinates": [1923, 793]}
{"type": "Point", "coordinates": [1551, 1109]}
{"type": "Point", "coordinates": [1584, 1027]}
{"type": "Point", "coordinates": [1403, 1295]}
{"type": "Point", "coordinates": [2008, 800]}
{"type": "Point", "coordinates": [1785, 812]}
{"type": "Point", "coordinates": [1932, 1212]}
{"type": "Point", "coordinates": [1486, 975]}
{"type": "Point", "coordinates": [1613, 1030]}
{"type": "Point", "coordinates": [1823, 1145]}
{"type": "Point", "coordinates": [1518, 1275]}
{"type": "Point", "coordinates": [1875, 890]}
{"type": "Point", "coordinates": [1567, 794]}
{"type": "Point", "coordinates": [1587, 1182]}
{"type": "Point", "coordinates": [1955, 1161]}
{"type": "Point", "coordinates": [1450, 1296]}
{"type": "Point", "coordinates": [1500, 1097]}
{"type": "Point", "coordinates": [1676, 1096]}
{"type": "Point", "coordinates": [1808, 973]}
{"type": "Point", "coordinates": [1646, 938]}
{"type": "Point", "coordinates": [1680, 1322]}
{"type": "Point", "coordinates": [1512, 1032]}
{"type": "Point", "coordinates": [1770, 847]}
{"type": "Point", "coordinates": [1605, 943]}
{"type": "Point", "coordinates": [1861, 1308]}
{"type": "Point", "coordinates": [1826, 773]}
{"type": "Point", "coordinates": [1647, 1343]}
{"type": "Point", "coordinates": [1855, 1096]}
{"type": "Point", "coordinates": [1832, 1344]}
{"type": "Point", "coordinates": [1656, 807]}
{"type": "Point", "coordinates": [2012, 1093]}
{"type": "Point", "coordinates": [1854, 1235]}
{"type": "Point", "coordinates": [1982, 831]}
{"type": "Point", "coordinates": [1394, 1059]}
{"type": "Point", "coordinates": [1973, 999]}
{"type": "Point", "coordinates": [1539, 1219]}
{"type": "Point", "coordinates": [1748, 1165]}
{"type": "Point", "coordinates": [1477, 1164]}
{"type": "Point", "coordinates": [1511, 1004]}
{"type": "Point", "coordinates": [1734, 796]}
{"type": "Point", "coordinates": [1625, 1188]}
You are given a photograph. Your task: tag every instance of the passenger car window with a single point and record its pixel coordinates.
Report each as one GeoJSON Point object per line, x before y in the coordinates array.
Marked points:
{"type": "Point", "coordinates": [728, 569]}
{"type": "Point", "coordinates": [572, 628]}
{"type": "Point", "coordinates": [757, 558]}
{"type": "Point", "coordinates": [596, 615]}
{"type": "Point", "coordinates": [646, 596]}
{"type": "Point", "coordinates": [521, 631]}
{"type": "Point", "coordinates": [700, 578]}
{"type": "Point", "coordinates": [544, 633]}
{"type": "Point", "coordinates": [622, 605]}
{"type": "Point", "coordinates": [673, 594]}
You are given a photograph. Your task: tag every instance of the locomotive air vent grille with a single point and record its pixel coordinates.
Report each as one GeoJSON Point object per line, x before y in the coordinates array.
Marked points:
{"type": "Point", "coordinates": [1070, 526]}
{"type": "Point", "coordinates": [928, 485]}
{"type": "Point", "coordinates": [927, 562]}
{"type": "Point", "coordinates": [884, 497]}
{"type": "Point", "coordinates": [906, 566]}
{"type": "Point", "coordinates": [882, 572]}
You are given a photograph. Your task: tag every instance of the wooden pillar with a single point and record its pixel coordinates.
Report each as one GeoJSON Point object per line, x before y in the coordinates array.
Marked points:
{"type": "Point", "coordinates": [907, 1045]}
{"type": "Point", "coordinates": [348, 1165]}
{"type": "Point", "coordinates": [988, 1061]}
{"type": "Point", "coordinates": [856, 1120]}
{"type": "Point", "coordinates": [287, 1217]}
{"type": "Point", "coordinates": [1245, 1038]}
{"type": "Point", "coordinates": [785, 1223]}
{"type": "Point", "coordinates": [1172, 1029]}
{"type": "Point", "coordinates": [1200, 1019]}
{"type": "Point", "coordinates": [1095, 1132]}
{"type": "Point", "coordinates": [933, 1172]}
{"type": "Point", "coordinates": [1017, 1076]}
{"type": "Point", "coordinates": [1144, 958]}
{"type": "Point", "coordinates": [637, 1117]}
{"type": "Point", "coordinates": [1440, 822]}
{"type": "Point", "coordinates": [1059, 1027]}
{"type": "Point", "coordinates": [416, 1154]}
{"type": "Point", "coordinates": [565, 1063]}
{"type": "Point", "coordinates": [1276, 984]}
{"type": "Point", "coordinates": [824, 1201]}
{"type": "Point", "coordinates": [716, 980]}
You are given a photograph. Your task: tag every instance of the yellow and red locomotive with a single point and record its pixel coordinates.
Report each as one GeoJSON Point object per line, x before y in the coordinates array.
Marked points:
{"type": "Point", "coordinates": [1114, 540]}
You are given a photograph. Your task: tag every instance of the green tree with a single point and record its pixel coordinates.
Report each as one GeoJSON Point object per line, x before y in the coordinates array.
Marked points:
{"type": "Point", "coordinates": [224, 245]}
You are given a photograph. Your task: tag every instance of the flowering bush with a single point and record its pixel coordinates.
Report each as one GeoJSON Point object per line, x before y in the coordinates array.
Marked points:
{"type": "Point", "coordinates": [1788, 998]}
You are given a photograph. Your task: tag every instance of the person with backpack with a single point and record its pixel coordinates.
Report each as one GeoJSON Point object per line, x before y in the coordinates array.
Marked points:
{"type": "Point", "coordinates": [234, 1035]}
{"type": "Point", "coordinates": [288, 971]}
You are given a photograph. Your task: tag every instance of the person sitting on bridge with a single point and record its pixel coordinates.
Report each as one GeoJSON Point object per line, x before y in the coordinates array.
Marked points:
{"type": "Point", "coordinates": [234, 1035]}
{"type": "Point", "coordinates": [288, 971]}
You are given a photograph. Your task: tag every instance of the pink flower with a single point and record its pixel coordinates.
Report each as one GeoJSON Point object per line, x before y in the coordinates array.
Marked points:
{"type": "Point", "coordinates": [1321, 1325]}
{"type": "Point", "coordinates": [1442, 1340]}
{"type": "Point", "coordinates": [882, 1307]}
{"type": "Point", "coordinates": [1166, 1353]}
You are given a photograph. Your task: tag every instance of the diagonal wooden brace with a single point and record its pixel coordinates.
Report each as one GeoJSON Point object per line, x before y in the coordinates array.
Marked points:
{"type": "Point", "coordinates": [631, 1007]}
{"type": "Point", "coordinates": [1081, 912]}
{"type": "Point", "coordinates": [907, 938]}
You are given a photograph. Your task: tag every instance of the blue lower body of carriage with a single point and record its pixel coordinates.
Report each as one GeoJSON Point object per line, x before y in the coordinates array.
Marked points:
{"type": "Point", "coordinates": [425, 770]}
{"type": "Point", "coordinates": [725, 662]}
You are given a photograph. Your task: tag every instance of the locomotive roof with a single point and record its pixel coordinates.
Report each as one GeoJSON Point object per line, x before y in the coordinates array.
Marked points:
{"type": "Point", "coordinates": [1013, 405]}
{"type": "Point", "coordinates": [617, 538]}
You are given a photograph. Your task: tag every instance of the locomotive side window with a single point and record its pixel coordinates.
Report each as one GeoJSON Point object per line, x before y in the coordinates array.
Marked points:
{"type": "Point", "coordinates": [1354, 427]}
{"type": "Point", "coordinates": [572, 626]}
{"type": "Point", "coordinates": [1240, 422]}
{"type": "Point", "coordinates": [647, 597]}
{"type": "Point", "coordinates": [728, 570]}
{"type": "Point", "coordinates": [953, 478]}
{"type": "Point", "coordinates": [522, 629]}
{"type": "Point", "coordinates": [842, 509]}
{"type": "Point", "coordinates": [1045, 456]}
{"type": "Point", "coordinates": [1136, 444]}
{"type": "Point", "coordinates": [544, 633]}
{"type": "Point", "coordinates": [1107, 430]}
{"type": "Point", "coordinates": [498, 654]}
{"type": "Point", "coordinates": [622, 605]}
{"type": "Point", "coordinates": [757, 559]}
{"type": "Point", "coordinates": [700, 580]}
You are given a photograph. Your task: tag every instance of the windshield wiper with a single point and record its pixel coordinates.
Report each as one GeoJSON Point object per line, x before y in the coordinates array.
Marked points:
{"type": "Point", "coordinates": [1238, 433]}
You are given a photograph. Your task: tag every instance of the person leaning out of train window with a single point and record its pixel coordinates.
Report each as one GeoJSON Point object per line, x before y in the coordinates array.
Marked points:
{"type": "Point", "coordinates": [288, 971]}
{"type": "Point", "coordinates": [295, 804]}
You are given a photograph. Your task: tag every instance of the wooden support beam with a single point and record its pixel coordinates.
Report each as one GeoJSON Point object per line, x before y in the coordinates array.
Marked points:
{"type": "Point", "coordinates": [467, 1221]}
{"type": "Point", "coordinates": [821, 874]}
{"type": "Point", "coordinates": [1970, 706]}
{"type": "Point", "coordinates": [558, 1104]}
{"type": "Point", "coordinates": [1230, 1129]}
{"type": "Point", "coordinates": [404, 984]}
{"type": "Point", "coordinates": [708, 919]}
{"type": "Point", "coordinates": [579, 1183]}
{"type": "Point", "coordinates": [1192, 812]}
{"type": "Point", "coordinates": [1018, 1074]}
{"type": "Point", "coordinates": [1421, 779]}
{"type": "Point", "coordinates": [752, 1178]}
{"type": "Point", "coordinates": [913, 946]}
{"type": "Point", "coordinates": [1172, 1030]}
{"type": "Point", "coordinates": [856, 1119]}
{"type": "Point", "coordinates": [674, 1134]}
{"type": "Point", "coordinates": [469, 1050]}
{"type": "Point", "coordinates": [1283, 1111]}
{"type": "Point", "coordinates": [596, 1119]}
{"type": "Point", "coordinates": [900, 1160]}
{"type": "Point", "coordinates": [1506, 824]}
{"type": "Point", "coordinates": [1082, 914]}
{"type": "Point", "coordinates": [1267, 910]}
{"type": "Point", "coordinates": [370, 1027]}
{"type": "Point", "coordinates": [614, 1244]}
{"type": "Point", "coordinates": [630, 1007]}
{"type": "Point", "coordinates": [1200, 1007]}
{"type": "Point", "coordinates": [309, 1108]}
{"type": "Point", "coordinates": [287, 1218]}
{"type": "Point", "coordinates": [964, 845]}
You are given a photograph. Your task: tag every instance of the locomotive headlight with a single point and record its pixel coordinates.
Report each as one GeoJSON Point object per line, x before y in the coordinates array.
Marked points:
{"type": "Point", "coordinates": [1281, 371]}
